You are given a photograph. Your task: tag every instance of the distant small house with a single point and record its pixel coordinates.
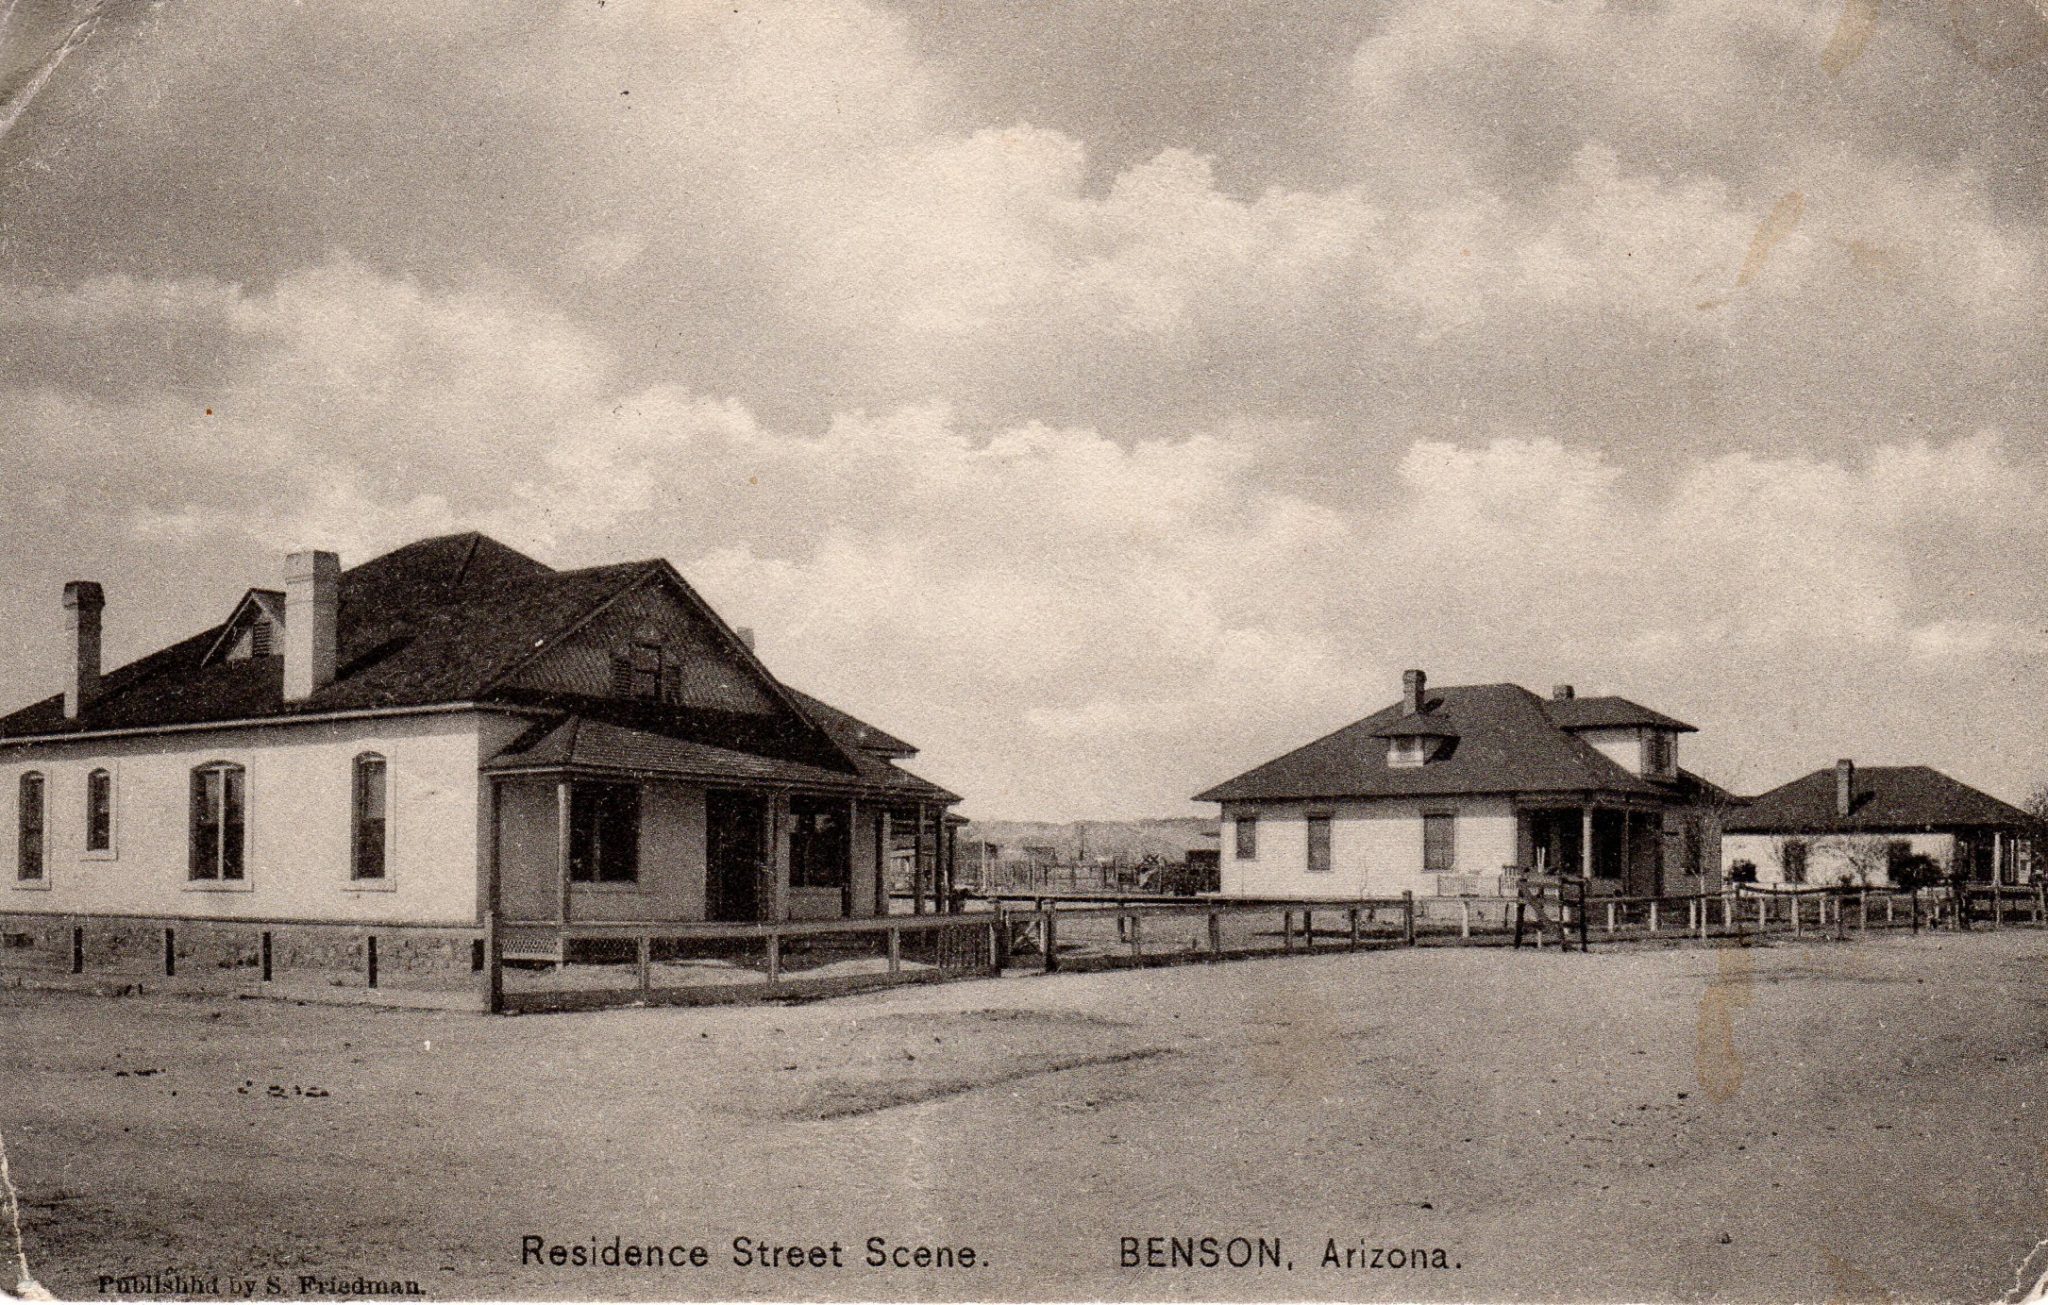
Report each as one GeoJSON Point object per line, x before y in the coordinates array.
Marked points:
{"type": "Point", "coordinates": [1448, 791]}
{"type": "Point", "coordinates": [1845, 823]}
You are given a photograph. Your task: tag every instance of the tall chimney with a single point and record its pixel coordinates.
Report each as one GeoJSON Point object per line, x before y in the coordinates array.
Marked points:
{"type": "Point", "coordinates": [1412, 683]}
{"type": "Point", "coordinates": [1845, 787]}
{"type": "Point", "coordinates": [312, 600]}
{"type": "Point", "coordinates": [83, 603]}
{"type": "Point", "coordinates": [1562, 693]}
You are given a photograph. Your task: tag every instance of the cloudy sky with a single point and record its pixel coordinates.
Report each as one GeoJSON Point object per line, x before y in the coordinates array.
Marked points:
{"type": "Point", "coordinates": [1106, 396]}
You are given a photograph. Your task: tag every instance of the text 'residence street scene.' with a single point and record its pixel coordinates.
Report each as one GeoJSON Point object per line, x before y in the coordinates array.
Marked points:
{"type": "Point", "coordinates": [861, 650]}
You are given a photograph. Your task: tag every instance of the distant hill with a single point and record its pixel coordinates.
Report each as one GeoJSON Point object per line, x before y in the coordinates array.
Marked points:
{"type": "Point", "coordinates": [1168, 838]}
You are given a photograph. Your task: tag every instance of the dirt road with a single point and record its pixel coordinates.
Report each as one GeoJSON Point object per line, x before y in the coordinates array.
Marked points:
{"type": "Point", "coordinates": [1811, 1122]}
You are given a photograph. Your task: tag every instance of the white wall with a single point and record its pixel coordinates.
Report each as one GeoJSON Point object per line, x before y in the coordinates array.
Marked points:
{"type": "Point", "coordinates": [1375, 847]}
{"type": "Point", "coordinates": [1827, 856]}
{"type": "Point", "coordinates": [297, 815]}
{"type": "Point", "coordinates": [1624, 747]}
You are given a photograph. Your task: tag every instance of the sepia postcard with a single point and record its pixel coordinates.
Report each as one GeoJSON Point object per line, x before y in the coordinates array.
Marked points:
{"type": "Point", "coordinates": [1024, 650]}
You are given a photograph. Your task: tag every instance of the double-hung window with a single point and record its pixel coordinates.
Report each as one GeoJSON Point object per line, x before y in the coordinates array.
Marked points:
{"type": "Point", "coordinates": [367, 818]}
{"type": "Point", "coordinates": [604, 833]}
{"type": "Point", "coordinates": [1319, 844]}
{"type": "Point", "coordinates": [1439, 843]}
{"type": "Point", "coordinates": [218, 828]}
{"type": "Point", "coordinates": [28, 864]}
{"type": "Point", "coordinates": [99, 811]}
{"type": "Point", "coordinates": [1247, 837]}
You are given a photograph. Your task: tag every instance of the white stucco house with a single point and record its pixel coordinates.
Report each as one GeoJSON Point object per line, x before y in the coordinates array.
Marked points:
{"type": "Point", "coordinates": [1850, 824]}
{"type": "Point", "coordinates": [450, 730]}
{"type": "Point", "coordinates": [1448, 792]}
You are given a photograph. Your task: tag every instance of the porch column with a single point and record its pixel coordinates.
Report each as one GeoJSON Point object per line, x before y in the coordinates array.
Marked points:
{"type": "Point", "coordinates": [917, 864]}
{"type": "Point", "coordinates": [883, 846]}
{"type": "Point", "coordinates": [1585, 842]}
{"type": "Point", "coordinates": [778, 856]}
{"type": "Point", "coordinates": [852, 856]}
{"type": "Point", "coordinates": [562, 843]}
{"type": "Point", "coordinates": [1997, 856]}
{"type": "Point", "coordinates": [952, 863]}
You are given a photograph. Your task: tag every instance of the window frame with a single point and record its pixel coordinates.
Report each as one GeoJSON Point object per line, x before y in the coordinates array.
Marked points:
{"type": "Point", "coordinates": [99, 823]}
{"type": "Point", "coordinates": [32, 872]}
{"type": "Point", "coordinates": [359, 766]}
{"type": "Point", "coordinates": [231, 816]}
{"type": "Point", "coordinates": [1795, 853]}
{"type": "Point", "coordinates": [1660, 753]}
{"type": "Point", "coordinates": [595, 806]}
{"type": "Point", "coordinates": [1326, 821]}
{"type": "Point", "coordinates": [820, 844]}
{"type": "Point", "coordinates": [1407, 752]}
{"type": "Point", "coordinates": [1245, 836]}
{"type": "Point", "coordinates": [1447, 821]}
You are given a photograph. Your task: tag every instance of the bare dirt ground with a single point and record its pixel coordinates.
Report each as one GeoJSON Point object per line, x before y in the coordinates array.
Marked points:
{"type": "Point", "coordinates": [1800, 1122]}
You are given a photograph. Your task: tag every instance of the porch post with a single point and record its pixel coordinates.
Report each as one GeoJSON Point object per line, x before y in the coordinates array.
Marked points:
{"type": "Point", "coordinates": [778, 856]}
{"type": "Point", "coordinates": [883, 847]}
{"type": "Point", "coordinates": [917, 864]}
{"type": "Point", "coordinates": [1585, 841]}
{"type": "Point", "coordinates": [852, 857]}
{"type": "Point", "coordinates": [1628, 848]}
{"type": "Point", "coordinates": [952, 862]}
{"type": "Point", "coordinates": [562, 844]}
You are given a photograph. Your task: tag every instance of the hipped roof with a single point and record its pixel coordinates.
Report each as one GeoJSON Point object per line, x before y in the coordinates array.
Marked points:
{"type": "Point", "coordinates": [1503, 739]}
{"type": "Point", "coordinates": [1883, 798]}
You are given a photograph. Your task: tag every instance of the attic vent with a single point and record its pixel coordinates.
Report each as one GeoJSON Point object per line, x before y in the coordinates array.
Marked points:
{"type": "Point", "coordinates": [257, 640]}
{"type": "Point", "coordinates": [648, 672]}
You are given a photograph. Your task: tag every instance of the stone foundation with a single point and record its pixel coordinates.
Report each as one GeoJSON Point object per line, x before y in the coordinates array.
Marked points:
{"type": "Point", "coordinates": [208, 955]}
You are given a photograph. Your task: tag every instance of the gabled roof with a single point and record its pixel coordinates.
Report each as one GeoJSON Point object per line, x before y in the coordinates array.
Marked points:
{"type": "Point", "coordinates": [1888, 798]}
{"type": "Point", "coordinates": [445, 621]}
{"type": "Point", "coordinates": [1608, 713]}
{"type": "Point", "coordinates": [1505, 742]}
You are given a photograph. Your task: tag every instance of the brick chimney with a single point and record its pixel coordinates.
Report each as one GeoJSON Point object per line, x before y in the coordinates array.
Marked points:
{"type": "Point", "coordinates": [1845, 787]}
{"type": "Point", "coordinates": [1412, 697]}
{"type": "Point", "coordinates": [312, 601]}
{"type": "Point", "coordinates": [1562, 693]}
{"type": "Point", "coordinates": [83, 603]}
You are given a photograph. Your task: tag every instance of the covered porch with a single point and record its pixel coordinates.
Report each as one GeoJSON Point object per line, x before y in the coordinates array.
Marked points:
{"type": "Point", "coordinates": [1615, 844]}
{"type": "Point", "coordinates": [617, 826]}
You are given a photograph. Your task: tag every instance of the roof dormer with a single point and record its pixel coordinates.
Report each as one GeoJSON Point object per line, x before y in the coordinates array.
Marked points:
{"type": "Point", "coordinates": [255, 629]}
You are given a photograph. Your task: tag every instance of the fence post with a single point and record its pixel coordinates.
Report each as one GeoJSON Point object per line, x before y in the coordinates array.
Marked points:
{"type": "Point", "coordinates": [1308, 931]}
{"type": "Point", "coordinates": [774, 958]}
{"type": "Point", "coordinates": [78, 949]}
{"type": "Point", "coordinates": [1584, 922]}
{"type": "Point", "coordinates": [1653, 915]}
{"type": "Point", "coordinates": [1286, 931]}
{"type": "Point", "coordinates": [1464, 918]}
{"type": "Point", "coordinates": [1863, 910]}
{"type": "Point", "coordinates": [1703, 919]}
{"type": "Point", "coordinates": [1351, 919]}
{"type": "Point", "coordinates": [1763, 919]}
{"type": "Point", "coordinates": [1408, 917]}
{"type": "Point", "coordinates": [266, 955]}
{"type": "Point", "coordinates": [1610, 917]}
{"type": "Point", "coordinates": [1216, 934]}
{"type": "Point", "coordinates": [2040, 900]}
{"type": "Point", "coordinates": [896, 949]}
{"type": "Point", "coordinates": [1049, 936]}
{"type": "Point", "coordinates": [644, 955]}
{"type": "Point", "coordinates": [1521, 909]}
{"type": "Point", "coordinates": [1891, 899]}
{"type": "Point", "coordinates": [1916, 908]}
{"type": "Point", "coordinates": [1137, 946]}
{"type": "Point", "coordinates": [370, 959]}
{"type": "Point", "coordinates": [170, 953]}
{"type": "Point", "coordinates": [1997, 906]}
{"type": "Point", "coordinates": [494, 968]}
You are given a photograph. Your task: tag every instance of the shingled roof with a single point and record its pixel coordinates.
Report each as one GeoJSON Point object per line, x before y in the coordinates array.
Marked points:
{"type": "Point", "coordinates": [1884, 798]}
{"type": "Point", "coordinates": [1609, 713]}
{"type": "Point", "coordinates": [443, 621]}
{"type": "Point", "coordinates": [1503, 740]}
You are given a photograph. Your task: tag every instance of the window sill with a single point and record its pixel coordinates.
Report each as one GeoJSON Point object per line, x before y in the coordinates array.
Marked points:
{"type": "Point", "coordinates": [369, 886]}
{"type": "Point", "coordinates": [212, 886]}
{"type": "Point", "coordinates": [107, 855]}
{"type": "Point", "coordinates": [32, 885]}
{"type": "Point", "coordinates": [579, 887]}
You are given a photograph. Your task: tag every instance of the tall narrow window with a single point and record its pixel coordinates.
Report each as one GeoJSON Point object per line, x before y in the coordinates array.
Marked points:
{"type": "Point", "coordinates": [1319, 845]}
{"type": "Point", "coordinates": [367, 819]}
{"type": "Point", "coordinates": [819, 843]}
{"type": "Point", "coordinates": [1247, 837]}
{"type": "Point", "coordinates": [217, 821]}
{"type": "Point", "coordinates": [1439, 843]}
{"type": "Point", "coordinates": [29, 821]}
{"type": "Point", "coordinates": [604, 833]}
{"type": "Point", "coordinates": [1793, 857]}
{"type": "Point", "coordinates": [99, 811]}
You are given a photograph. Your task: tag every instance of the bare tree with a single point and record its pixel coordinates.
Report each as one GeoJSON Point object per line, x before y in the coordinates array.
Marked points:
{"type": "Point", "coordinates": [1866, 858]}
